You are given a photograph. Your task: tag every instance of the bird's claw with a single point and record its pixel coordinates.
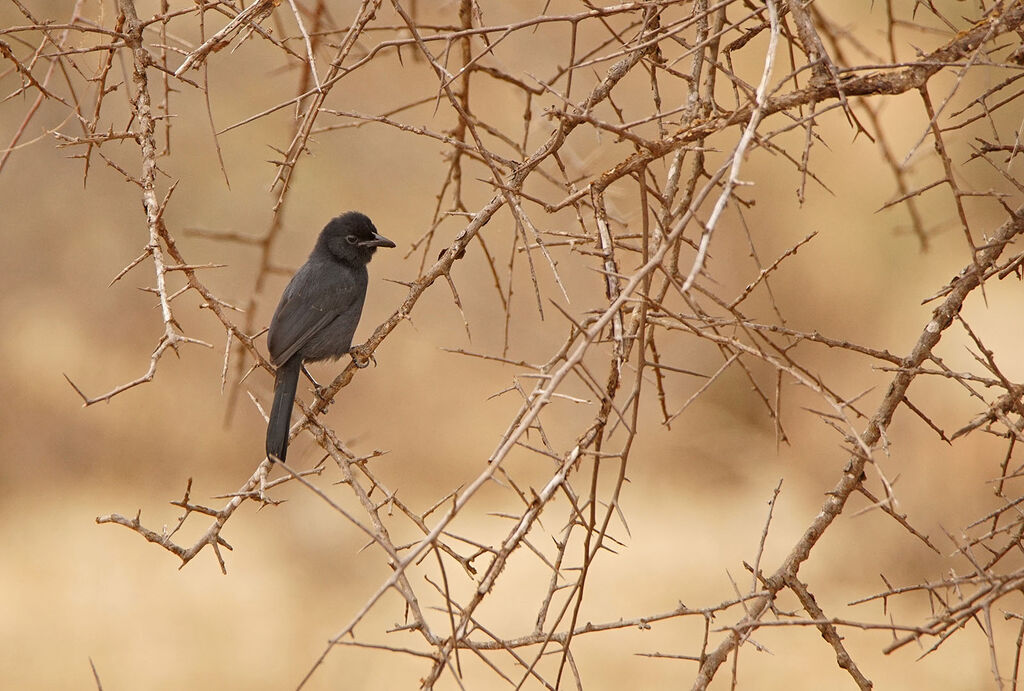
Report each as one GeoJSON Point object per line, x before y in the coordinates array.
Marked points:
{"type": "Point", "coordinates": [360, 358]}
{"type": "Point", "coordinates": [320, 392]}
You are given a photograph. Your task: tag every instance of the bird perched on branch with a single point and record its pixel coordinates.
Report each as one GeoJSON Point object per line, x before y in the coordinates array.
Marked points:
{"type": "Point", "coordinates": [318, 312]}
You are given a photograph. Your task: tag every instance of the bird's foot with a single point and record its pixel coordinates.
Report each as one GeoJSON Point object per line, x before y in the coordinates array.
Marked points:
{"type": "Point", "coordinates": [321, 394]}
{"type": "Point", "coordinates": [361, 358]}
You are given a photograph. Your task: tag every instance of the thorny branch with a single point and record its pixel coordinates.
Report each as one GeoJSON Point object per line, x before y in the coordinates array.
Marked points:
{"type": "Point", "coordinates": [675, 98]}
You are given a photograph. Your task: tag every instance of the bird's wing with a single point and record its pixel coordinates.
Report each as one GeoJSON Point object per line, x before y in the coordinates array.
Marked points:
{"type": "Point", "coordinates": [294, 329]}
{"type": "Point", "coordinates": [306, 308]}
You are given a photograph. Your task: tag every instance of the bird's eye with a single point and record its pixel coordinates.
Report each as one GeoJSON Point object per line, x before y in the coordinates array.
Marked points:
{"type": "Point", "coordinates": [351, 239]}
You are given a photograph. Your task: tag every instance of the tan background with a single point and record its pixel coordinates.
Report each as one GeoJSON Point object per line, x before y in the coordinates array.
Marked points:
{"type": "Point", "coordinates": [71, 591]}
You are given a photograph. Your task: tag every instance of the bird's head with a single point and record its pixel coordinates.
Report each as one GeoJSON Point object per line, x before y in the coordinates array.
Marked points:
{"type": "Point", "coordinates": [352, 237]}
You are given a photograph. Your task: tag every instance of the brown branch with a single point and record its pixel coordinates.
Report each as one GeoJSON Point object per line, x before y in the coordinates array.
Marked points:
{"type": "Point", "coordinates": [942, 317]}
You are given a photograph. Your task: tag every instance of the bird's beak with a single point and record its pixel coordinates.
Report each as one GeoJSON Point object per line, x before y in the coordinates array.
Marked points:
{"type": "Point", "coordinates": [377, 240]}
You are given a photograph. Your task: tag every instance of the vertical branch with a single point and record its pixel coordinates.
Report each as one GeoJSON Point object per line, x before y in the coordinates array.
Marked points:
{"type": "Point", "coordinates": [142, 105]}
{"type": "Point", "coordinates": [737, 157]}
{"type": "Point", "coordinates": [947, 167]}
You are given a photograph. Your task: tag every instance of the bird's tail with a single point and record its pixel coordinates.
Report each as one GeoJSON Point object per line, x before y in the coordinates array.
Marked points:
{"type": "Point", "coordinates": [281, 413]}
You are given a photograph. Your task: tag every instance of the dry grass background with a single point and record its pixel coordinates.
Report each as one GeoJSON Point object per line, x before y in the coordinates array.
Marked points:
{"type": "Point", "coordinates": [697, 495]}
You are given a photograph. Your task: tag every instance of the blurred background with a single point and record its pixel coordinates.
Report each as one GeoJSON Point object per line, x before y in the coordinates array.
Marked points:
{"type": "Point", "coordinates": [697, 494]}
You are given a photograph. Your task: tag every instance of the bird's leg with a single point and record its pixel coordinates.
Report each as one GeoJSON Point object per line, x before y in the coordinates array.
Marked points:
{"type": "Point", "coordinates": [317, 389]}
{"type": "Point", "coordinates": [360, 357]}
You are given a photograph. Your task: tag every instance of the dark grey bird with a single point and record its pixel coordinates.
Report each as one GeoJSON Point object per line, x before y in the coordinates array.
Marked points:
{"type": "Point", "coordinates": [318, 312]}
